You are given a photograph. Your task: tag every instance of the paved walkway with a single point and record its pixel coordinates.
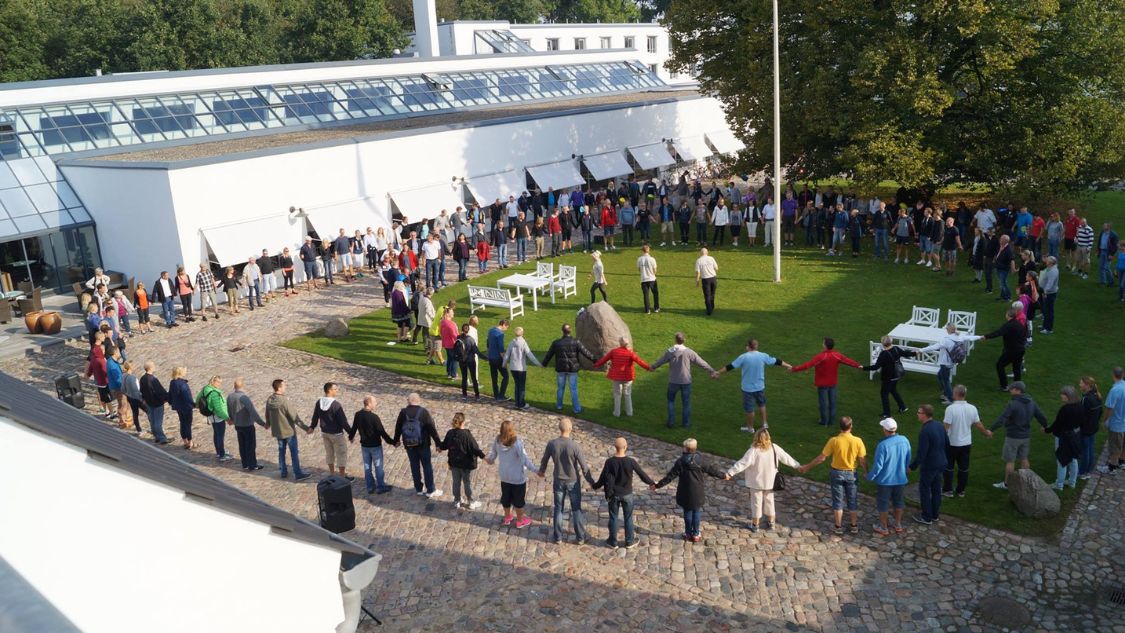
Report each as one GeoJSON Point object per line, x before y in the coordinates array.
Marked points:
{"type": "Point", "coordinates": [445, 569]}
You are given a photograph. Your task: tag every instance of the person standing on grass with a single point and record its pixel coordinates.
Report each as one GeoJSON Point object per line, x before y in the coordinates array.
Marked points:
{"type": "Point", "coordinates": [213, 406]}
{"type": "Point", "coordinates": [496, 348]}
{"type": "Point", "coordinates": [952, 349]}
{"type": "Point", "coordinates": [1016, 420]}
{"type": "Point", "coordinates": [1084, 243]}
{"type": "Point", "coordinates": [465, 352]}
{"type": "Point", "coordinates": [904, 236]}
{"type": "Point", "coordinates": [891, 371]}
{"type": "Point", "coordinates": [597, 275]}
{"type": "Point", "coordinates": [1068, 440]}
{"type": "Point", "coordinates": [514, 464]}
{"type": "Point", "coordinates": [415, 429]}
{"type": "Point", "coordinates": [1048, 293]}
{"type": "Point", "coordinates": [621, 360]}
{"type": "Point", "coordinates": [826, 377]}
{"type": "Point", "coordinates": [329, 415]}
{"type": "Point", "coordinates": [1107, 248]}
{"type": "Point", "coordinates": [369, 426]}
{"type": "Point", "coordinates": [283, 423]}
{"type": "Point", "coordinates": [617, 479]}
{"type": "Point", "coordinates": [707, 277]}
{"type": "Point", "coordinates": [1114, 417]}
{"type": "Point", "coordinates": [930, 463]}
{"type": "Point", "coordinates": [1014, 335]}
{"type": "Point", "coordinates": [960, 418]}
{"type": "Point", "coordinates": [760, 462]}
{"type": "Point", "coordinates": [569, 464]}
{"type": "Point", "coordinates": [950, 246]}
{"type": "Point", "coordinates": [690, 472]}
{"type": "Point", "coordinates": [752, 363]}
{"type": "Point", "coordinates": [847, 451]}
{"type": "Point", "coordinates": [679, 359]}
{"type": "Point", "coordinates": [516, 359]}
{"type": "Point", "coordinates": [1092, 417]}
{"type": "Point", "coordinates": [566, 351]}
{"type": "Point", "coordinates": [242, 412]}
{"type": "Point", "coordinates": [888, 473]}
{"type": "Point", "coordinates": [463, 454]}
{"type": "Point", "coordinates": [1119, 268]}
{"type": "Point", "coordinates": [447, 329]}
{"type": "Point", "coordinates": [646, 265]}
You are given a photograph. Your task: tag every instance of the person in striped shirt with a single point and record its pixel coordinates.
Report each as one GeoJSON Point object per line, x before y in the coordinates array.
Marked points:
{"type": "Point", "coordinates": [1084, 241]}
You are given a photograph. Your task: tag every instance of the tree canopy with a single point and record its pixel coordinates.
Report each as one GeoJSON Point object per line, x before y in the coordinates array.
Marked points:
{"type": "Point", "coordinates": [1024, 95]}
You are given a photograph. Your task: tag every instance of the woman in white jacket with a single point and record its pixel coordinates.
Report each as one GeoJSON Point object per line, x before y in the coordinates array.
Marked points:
{"type": "Point", "coordinates": [760, 465]}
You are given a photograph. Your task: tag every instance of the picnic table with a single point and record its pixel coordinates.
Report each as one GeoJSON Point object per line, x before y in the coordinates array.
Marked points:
{"type": "Point", "coordinates": [531, 283]}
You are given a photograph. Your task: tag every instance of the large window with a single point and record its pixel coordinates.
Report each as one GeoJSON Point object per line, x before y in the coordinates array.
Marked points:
{"type": "Point", "coordinates": [241, 110]}
{"type": "Point", "coordinates": [552, 43]}
{"type": "Point", "coordinates": [579, 43]}
{"type": "Point", "coordinates": [370, 100]}
{"type": "Point", "coordinates": [157, 119]}
{"type": "Point", "coordinates": [79, 128]}
{"type": "Point", "coordinates": [652, 43]}
{"type": "Point", "coordinates": [629, 42]}
{"type": "Point", "coordinates": [308, 104]}
{"type": "Point", "coordinates": [471, 89]}
{"type": "Point", "coordinates": [514, 85]}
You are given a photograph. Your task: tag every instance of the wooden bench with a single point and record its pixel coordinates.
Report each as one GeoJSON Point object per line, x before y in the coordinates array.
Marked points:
{"type": "Point", "coordinates": [481, 297]}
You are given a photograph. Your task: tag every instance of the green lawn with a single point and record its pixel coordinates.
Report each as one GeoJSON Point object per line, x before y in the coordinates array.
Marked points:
{"type": "Point", "coordinates": [853, 301]}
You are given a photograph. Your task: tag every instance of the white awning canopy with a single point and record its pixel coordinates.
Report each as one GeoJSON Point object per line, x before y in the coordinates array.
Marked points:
{"type": "Point", "coordinates": [557, 175]}
{"type": "Point", "coordinates": [691, 148]}
{"type": "Point", "coordinates": [235, 243]}
{"type": "Point", "coordinates": [725, 142]}
{"type": "Point", "coordinates": [487, 188]}
{"type": "Point", "coordinates": [351, 215]}
{"type": "Point", "coordinates": [424, 203]}
{"type": "Point", "coordinates": [608, 165]}
{"type": "Point", "coordinates": [652, 156]}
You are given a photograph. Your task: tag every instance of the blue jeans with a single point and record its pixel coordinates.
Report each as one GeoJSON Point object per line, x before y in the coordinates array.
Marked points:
{"type": "Point", "coordinates": [944, 380]}
{"type": "Point", "coordinates": [685, 398]}
{"type": "Point", "coordinates": [1068, 474]}
{"type": "Point", "coordinates": [253, 292]}
{"type": "Point", "coordinates": [441, 272]}
{"type": "Point", "coordinates": [843, 487]}
{"type": "Point", "coordinates": [461, 276]}
{"type": "Point", "coordinates": [432, 266]}
{"type": "Point", "coordinates": [1087, 456]}
{"type": "Point", "coordinates": [450, 364]}
{"type": "Point", "coordinates": [1002, 278]}
{"type": "Point", "coordinates": [587, 239]}
{"type": "Point", "coordinates": [1049, 310]}
{"type": "Point", "coordinates": [882, 247]}
{"type": "Point", "coordinates": [521, 249]}
{"type": "Point", "coordinates": [219, 435]}
{"type": "Point", "coordinates": [691, 521]}
{"type": "Point", "coordinates": [520, 380]}
{"type": "Point", "coordinates": [421, 467]}
{"type": "Point", "coordinates": [1053, 248]}
{"type": "Point", "coordinates": [929, 492]}
{"type": "Point", "coordinates": [290, 443]}
{"type": "Point", "coordinates": [561, 378]}
{"type": "Point", "coordinates": [573, 490]}
{"type": "Point", "coordinates": [502, 253]}
{"type": "Point", "coordinates": [327, 269]}
{"type": "Point", "coordinates": [1105, 276]}
{"type": "Point", "coordinates": [156, 422]}
{"type": "Point", "coordinates": [625, 504]}
{"type": "Point", "coordinates": [168, 311]}
{"type": "Point", "coordinates": [826, 397]}
{"type": "Point", "coordinates": [373, 460]}
{"type": "Point", "coordinates": [1120, 284]}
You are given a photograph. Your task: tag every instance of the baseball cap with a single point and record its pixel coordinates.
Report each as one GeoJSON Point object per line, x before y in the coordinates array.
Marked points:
{"type": "Point", "coordinates": [1018, 385]}
{"type": "Point", "coordinates": [888, 424]}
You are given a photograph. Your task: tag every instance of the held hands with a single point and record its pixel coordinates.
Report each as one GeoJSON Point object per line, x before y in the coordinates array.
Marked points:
{"type": "Point", "coordinates": [714, 374]}
{"type": "Point", "coordinates": [652, 487]}
{"type": "Point", "coordinates": [787, 366]}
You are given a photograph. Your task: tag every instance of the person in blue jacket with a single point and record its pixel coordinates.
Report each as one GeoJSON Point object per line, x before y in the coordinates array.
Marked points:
{"type": "Point", "coordinates": [930, 463]}
{"type": "Point", "coordinates": [182, 402]}
{"type": "Point", "coordinates": [888, 473]}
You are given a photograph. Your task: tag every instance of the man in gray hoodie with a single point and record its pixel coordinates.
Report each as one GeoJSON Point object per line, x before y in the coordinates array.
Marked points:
{"type": "Point", "coordinates": [243, 415]}
{"type": "Point", "coordinates": [679, 359]}
{"type": "Point", "coordinates": [569, 464]}
{"type": "Point", "coordinates": [1016, 420]}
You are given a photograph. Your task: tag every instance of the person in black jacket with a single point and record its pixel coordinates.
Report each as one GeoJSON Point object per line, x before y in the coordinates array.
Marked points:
{"type": "Point", "coordinates": [333, 422]}
{"type": "Point", "coordinates": [991, 248]}
{"type": "Point", "coordinates": [465, 352]}
{"type": "Point", "coordinates": [371, 437]}
{"type": "Point", "coordinates": [1015, 339]}
{"type": "Point", "coordinates": [565, 351]}
{"type": "Point", "coordinates": [689, 470]}
{"type": "Point", "coordinates": [1092, 406]}
{"type": "Point", "coordinates": [155, 397]}
{"type": "Point", "coordinates": [888, 365]}
{"type": "Point", "coordinates": [463, 455]}
{"type": "Point", "coordinates": [415, 429]}
{"type": "Point", "coordinates": [617, 479]}
{"type": "Point", "coordinates": [1066, 429]}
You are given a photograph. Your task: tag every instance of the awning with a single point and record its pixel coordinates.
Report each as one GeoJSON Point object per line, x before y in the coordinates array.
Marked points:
{"type": "Point", "coordinates": [424, 203]}
{"type": "Point", "coordinates": [652, 156]}
{"type": "Point", "coordinates": [691, 148]}
{"type": "Point", "coordinates": [557, 175]}
{"type": "Point", "coordinates": [606, 166]}
{"type": "Point", "coordinates": [351, 216]}
{"type": "Point", "coordinates": [725, 142]}
{"type": "Point", "coordinates": [487, 188]}
{"type": "Point", "coordinates": [235, 243]}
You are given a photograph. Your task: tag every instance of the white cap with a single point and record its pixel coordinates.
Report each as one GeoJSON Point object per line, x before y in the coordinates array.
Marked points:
{"type": "Point", "coordinates": [888, 424]}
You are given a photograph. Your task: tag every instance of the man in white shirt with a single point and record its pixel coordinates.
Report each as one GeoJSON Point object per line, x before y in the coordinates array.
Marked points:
{"type": "Point", "coordinates": [985, 219]}
{"type": "Point", "coordinates": [431, 251]}
{"type": "Point", "coordinates": [441, 222]}
{"type": "Point", "coordinates": [768, 212]}
{"type": "Point", "coordinates": [943, 347]}
{"type": "Point", "coordinates": [646, 264]}
{"type": "Point", "coordinates": [706, 275]}
{"type": "Point", "coordinates": [960, 418]}
{"type": "Point", "coordinates": [513, 208]}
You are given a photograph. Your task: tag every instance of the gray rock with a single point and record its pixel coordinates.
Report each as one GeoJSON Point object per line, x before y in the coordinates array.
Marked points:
{"type": "Point", "coordinates": [600, 329]}
{"type": "Point", "coordinates": [1031, 495]}
{"type": "Point", "coordinates": [336, 328]}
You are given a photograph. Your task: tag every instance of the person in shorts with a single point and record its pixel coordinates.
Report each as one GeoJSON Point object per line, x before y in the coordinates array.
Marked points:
{"type": "Point", "coordinates": [845, 450]}
{"type": "Point", "coordinates": [888, 473]}
{"type": "Point", "coordinates": [950, 245]}
{"type": "Point", "coordinates": [1016, 420]}
{"type": "Point", "coordinates": [513, 466]}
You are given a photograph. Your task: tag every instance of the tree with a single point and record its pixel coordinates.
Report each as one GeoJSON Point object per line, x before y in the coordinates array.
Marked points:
{"type": "Point", "coordinates": [1027, 95]}
{"type": "Point", "coordinates": [594, 11]}
{"type": "Point", "coordinates": [22, 39]}
{"type": "Point", "coordinates": [341, 29]}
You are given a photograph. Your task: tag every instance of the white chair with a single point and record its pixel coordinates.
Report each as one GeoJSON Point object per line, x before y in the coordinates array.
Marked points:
{"type": "Point", "coordinates": [925, 317]}
{"type": "Point", "coordinates": [567, 281]}
{"type": "Point", "coordinates": [965, 322]}
{"type": "Point", "coordinates": [876, 349]}
{"type": "Point", "coordinates": [545, 270]}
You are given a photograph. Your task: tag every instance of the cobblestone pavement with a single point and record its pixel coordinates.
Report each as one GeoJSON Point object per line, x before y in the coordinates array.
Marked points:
{"type": "Point", "coordinates": [453, 570]}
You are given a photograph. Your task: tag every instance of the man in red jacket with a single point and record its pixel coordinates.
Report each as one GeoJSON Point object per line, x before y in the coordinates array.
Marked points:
{"type": "Point", "coordinates": [827, 362]}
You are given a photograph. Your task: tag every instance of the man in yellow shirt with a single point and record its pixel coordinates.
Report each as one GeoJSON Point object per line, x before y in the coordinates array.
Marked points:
{"type": "Point", "coordinates": [845, 450]}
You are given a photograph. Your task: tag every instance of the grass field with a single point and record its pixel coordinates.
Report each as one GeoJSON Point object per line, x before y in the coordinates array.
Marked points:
{"type": "Point", "coordinates": [852, 300]}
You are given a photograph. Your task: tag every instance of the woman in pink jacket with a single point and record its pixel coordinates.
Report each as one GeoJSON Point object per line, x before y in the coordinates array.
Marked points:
{"type": "Point", "coordinates": [621, 360]}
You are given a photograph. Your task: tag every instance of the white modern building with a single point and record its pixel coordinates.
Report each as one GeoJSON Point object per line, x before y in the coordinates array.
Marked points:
{"type": "Point", "coordinates": [103, 533]}
{"type": "Point", "coordinates": [142, 172]}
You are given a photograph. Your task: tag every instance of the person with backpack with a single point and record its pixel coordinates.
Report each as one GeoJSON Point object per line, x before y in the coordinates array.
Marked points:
{"type": "Point", "coordinates": [891, 371]}
{"type": "Point", "coordinates": [415, 429]}
{"type": "Point", "coordinates": [465, 352]}
{"type": "Point", "coordinates": [329, 415]}
{"type": "Point", "coordinates": [952, 350]}
{"type": "Point", "coordinates": [689, 471]}
{"type": "Point", "coordinates": [212, 405]}
{"type": "Point", "coordinates": [463, 455]}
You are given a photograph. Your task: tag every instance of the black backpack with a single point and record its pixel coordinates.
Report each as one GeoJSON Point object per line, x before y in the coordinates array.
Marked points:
{"type": "Point", "coordinates": [201, 404]}
{"type": "Point", "coordinates": [412, 429]}
{"type": "Point", "coordinates": [458, 351]}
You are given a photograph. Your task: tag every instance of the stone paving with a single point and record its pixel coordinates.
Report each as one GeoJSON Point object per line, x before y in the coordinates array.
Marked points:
{"type": "Point", "coordinates": [454, 570]}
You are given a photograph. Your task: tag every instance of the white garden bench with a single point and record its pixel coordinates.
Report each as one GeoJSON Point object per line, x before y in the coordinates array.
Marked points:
{"type": "Point", "coordinates": [481, 297]}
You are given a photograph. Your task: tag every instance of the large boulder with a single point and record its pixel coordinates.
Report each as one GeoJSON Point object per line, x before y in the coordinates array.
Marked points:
{"type": "Point", "coordinates": [336, 328]}
{"type": "Point", "coordinates": [1031, 495]}
{"type": "Point", "coordinates": [600, 329]}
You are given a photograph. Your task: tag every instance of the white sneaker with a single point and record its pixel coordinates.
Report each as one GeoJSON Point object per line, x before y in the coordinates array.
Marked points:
{"type": "Point", "coordinates": [920, 262]}
{"type": "Point", "coordinates": [1000, 485]}
{"type": "Point", "coordinates": [474, 505]}
{"type": "Point", "coordinates": [746, 429]}
{"type": "Point", "coordinates": [663, 243]}
{"type": "Point", "coordinates": [435, 494]}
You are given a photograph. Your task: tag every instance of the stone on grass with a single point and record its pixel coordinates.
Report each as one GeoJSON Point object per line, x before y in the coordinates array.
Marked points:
{"type": "Point", "coordinates": [1031, 495]}
{"type": "Point", "coordinates": [336, 328]}
{"type": "Point", "coordinates": [600, 329]}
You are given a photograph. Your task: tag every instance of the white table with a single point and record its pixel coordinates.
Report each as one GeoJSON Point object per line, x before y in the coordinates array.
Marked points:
{"type": "Point", "coordinates": [906, 333]}
{"type": "Point", "coordinates": [531, 283]}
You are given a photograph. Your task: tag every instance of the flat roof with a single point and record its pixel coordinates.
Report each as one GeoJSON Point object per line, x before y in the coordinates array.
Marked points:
{"type": "Point", "coordinates": [279, 140]}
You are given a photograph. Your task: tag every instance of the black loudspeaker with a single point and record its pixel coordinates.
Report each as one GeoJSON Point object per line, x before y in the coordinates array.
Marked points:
{"type": "Point", "coordinates": [69, 390]}
{"type": "Point", "coordinates": [334, 495]}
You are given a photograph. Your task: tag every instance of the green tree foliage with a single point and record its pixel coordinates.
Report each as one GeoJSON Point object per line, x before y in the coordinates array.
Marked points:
{"type": "Point", "coordinates": [341, 29]}
{"type": "Point", "coordinates": [594, 10]}
{"type": "Point", "coordinates": [22, 39]}
{"type": "Point", "coordinates": [1027, 95]}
